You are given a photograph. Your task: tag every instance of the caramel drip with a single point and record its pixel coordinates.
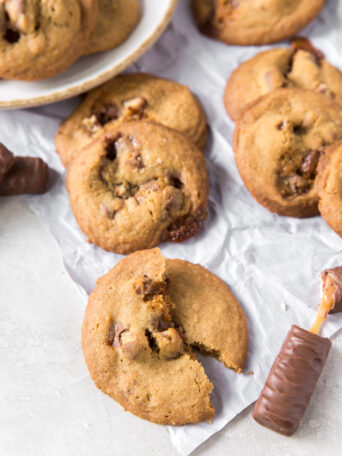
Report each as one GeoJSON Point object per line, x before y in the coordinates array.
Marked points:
{"type": "Point", "coordinates": [326, 304]}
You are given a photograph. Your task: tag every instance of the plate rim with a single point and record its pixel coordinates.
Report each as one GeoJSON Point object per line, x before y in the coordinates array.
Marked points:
{"type": "Point", "coordinates": [99, 79]}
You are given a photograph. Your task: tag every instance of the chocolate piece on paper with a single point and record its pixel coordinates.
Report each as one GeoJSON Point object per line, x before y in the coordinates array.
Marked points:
{"type": "Point", "coordinates": [336, 283]}
{"type": "Point", "coordinates": [6, 161]}
{"type": "Point", "coordinates": [27, 175]}
{"type": "Point", "coordinates": [291, 381]}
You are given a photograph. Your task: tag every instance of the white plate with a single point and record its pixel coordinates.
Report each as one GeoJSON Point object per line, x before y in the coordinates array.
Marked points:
{"type": "Point", "coordinates": [93, 70]}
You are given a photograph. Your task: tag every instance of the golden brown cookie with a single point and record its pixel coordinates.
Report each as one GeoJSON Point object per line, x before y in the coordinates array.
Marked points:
{"type": "Point", "coordinates": [300, 66]}
{"type": "Point", "coordinates": [329, 186]}
{"type": "Point", "coordinates": [249, 22]}
{"type": "Point", "coordinates": [277, 143]}
{"type": "Point", "coordinates": [116, 20]}
{"type": "Point", "coordinates": [131, 97]}
{"type": "Point", "coordinates": [39, 39]}
{"type": "Point", "coordinates": [138, 185]}
{"type": "Point", "coordinates": [135, 348]}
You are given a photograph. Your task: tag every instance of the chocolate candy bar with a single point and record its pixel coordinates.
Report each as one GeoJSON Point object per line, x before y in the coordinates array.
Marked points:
{"type": "Point", "coordinates": [291, 381]}
{"type": "Point", "coordinates": [332, 286]}
{"type": "Point", "coordinates": [26, 175]}
{"type": "Point", "coordinates": [6, 160]}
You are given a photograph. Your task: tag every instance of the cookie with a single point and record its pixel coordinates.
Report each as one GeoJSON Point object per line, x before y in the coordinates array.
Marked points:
{"type": "Point", "coordinates": [300, 66]}
{"type": "Point", "coordinates": [41, 39]}
{"type": "Point", "coordinates": [115, 22]}
{"type": "Point", "coordinates": [277, 144]}
{"type": "Point", "coordinates": [249, 22]}
{"type": "Point", "coordinates": [138, 185]}
{"type": "Point", "coordinates": [131, 97]}
{"type": "Point", "coordinates": [136, 351]}
{"type": "Point", "coordinates": [329, 186]}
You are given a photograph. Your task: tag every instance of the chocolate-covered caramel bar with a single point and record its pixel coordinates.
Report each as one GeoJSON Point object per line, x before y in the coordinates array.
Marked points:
{"type": "Point", "coordinates": [291, 381]}
{"type": "Point", "coordinates": [332, 284]}
{"type": "Point", "coordinates": [27, 175]}
{"type": "Point", "coordinates": [6, 160]}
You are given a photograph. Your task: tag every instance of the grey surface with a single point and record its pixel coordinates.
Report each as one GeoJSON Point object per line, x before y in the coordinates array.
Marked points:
{"type": "Point", "coordinates": [47, 397]}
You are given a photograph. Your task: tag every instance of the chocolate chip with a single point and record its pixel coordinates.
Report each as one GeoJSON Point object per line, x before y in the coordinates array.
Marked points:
{"type": "Point", "coordinates": [111, 147]}
{"type": "Point", "coordinates": [151, 340]}
{"type": "Point", "coordinates": [183, 228]}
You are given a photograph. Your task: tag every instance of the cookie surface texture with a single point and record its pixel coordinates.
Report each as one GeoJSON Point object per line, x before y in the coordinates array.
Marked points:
{"type": "Point", "coordinates": [278, 68]}
{"type": "Point", "coordinates": [277, 145]}
{"type": "Point", "coordinates": [40, 39]}
{"type": "Point", "coordinates": [131, 97]}
{"type": "Point", "coordinates": [249, 22]}
{"type": "Point", "coordinates": [138, 186]}
{"type": "Point", "coordinates": [115, 21]}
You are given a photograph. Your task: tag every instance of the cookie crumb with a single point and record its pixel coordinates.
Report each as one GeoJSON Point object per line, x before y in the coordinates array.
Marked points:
{"type": "Point", "coordinates": [251, 372]}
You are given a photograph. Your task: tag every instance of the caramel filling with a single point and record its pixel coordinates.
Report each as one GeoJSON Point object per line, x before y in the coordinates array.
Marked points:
{"type": "Point", "coordinates": [326, 304]}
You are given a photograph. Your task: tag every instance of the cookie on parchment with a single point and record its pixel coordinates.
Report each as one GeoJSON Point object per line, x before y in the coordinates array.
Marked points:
{"type": "Point", "coordinates": [329, 186]}
{"type": "Point", "coordinates": [277, 144]}
{"type": "Point", "coordinates": [301, 66]}
{"type": "Point", "coordinates": [131, 97]}
{"type": "Point", "coordinates": [40, 39]}
{"type": "Point", "coordinates": [249, 22]}
{"type": "Point", "coordinates": [136, 349]}
{"type": "Point", "coordinates": [115, 22]}
{"type": "Point", "coordinates": [138, 185]}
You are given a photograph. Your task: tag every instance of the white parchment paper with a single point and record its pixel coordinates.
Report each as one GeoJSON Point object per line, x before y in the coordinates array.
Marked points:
{"type": "Point", "coordinates": [271, 263]}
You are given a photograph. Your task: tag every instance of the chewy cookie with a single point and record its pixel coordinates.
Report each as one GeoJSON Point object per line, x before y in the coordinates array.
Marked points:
{"type": "Point", "coordinates": [329, 186]}
{"type": "Point", "coordinates": [249, 22]}
{"type": "Point", "coordinates": [300, 66]}
{"type": "Point", "coordinates": [138, 185]}
{"type": "Point", "coordinates": [277, 144]}
{"type": "Point", "coordinates": [42, 38]}
{"type": "Point", "coordinates": [115, 21]}
{"type": "Point", "coordinates": [137, 352]}
{"type": "Point", "coordinates": [131, 97]}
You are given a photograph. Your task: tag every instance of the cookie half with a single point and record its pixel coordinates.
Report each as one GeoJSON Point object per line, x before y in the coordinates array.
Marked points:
{"type": "Point", "coordinates": [137, 352]}
{"type": "Point", "coordinates": [115, 22]}
{"type": "Point", "coordinates": [249, 22]}
{"type": "Point", "coordinates": [131, 97]}
{"type": "Point", "coordinates": [300, 66]}
{"type": "Point", "coordinates": [329, 187]}
{"type": "Point", "coordinates": [138, 185]}
{"type": "Point", "coordinates": [277, 145]}
{"type": "Point", "coordinates": [40, 39]}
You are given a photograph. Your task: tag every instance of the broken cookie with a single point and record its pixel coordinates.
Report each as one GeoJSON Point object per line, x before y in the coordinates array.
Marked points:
{"type": "Point", "coordinates": [141, 325]}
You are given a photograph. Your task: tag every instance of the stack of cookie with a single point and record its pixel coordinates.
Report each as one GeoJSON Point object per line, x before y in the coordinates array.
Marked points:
{"type": "Point", "coordinates": [288, 120]}
{"type": "Point", "coordinates": [136, 173]}
{"type": "Point", "coordinates": [40, 39]}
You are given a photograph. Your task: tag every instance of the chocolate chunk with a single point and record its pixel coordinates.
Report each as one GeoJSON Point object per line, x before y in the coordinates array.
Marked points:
{"type": "Point", "coordinates": [291, 381]}
{"type": "Point", "coordinates": [27, 175]}
{"type": "Point", "coordinates": [114, 334]}
{"type": "Point", "coordinates": [149, 288]}
{"type": "Point", "coordinates": [6, 161]}
{"type": "Point", "coordinates": [183, 228]}
{"type": "Point", "coordinates": [309, 165]}
{"type": "Point", "coordinates": [336, 284]}
{"type": "Point", "coordinates": [106, 113]}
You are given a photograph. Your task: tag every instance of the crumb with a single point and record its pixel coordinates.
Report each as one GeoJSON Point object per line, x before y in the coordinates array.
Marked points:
{"type": "Point", "coordinates": [251, 372]}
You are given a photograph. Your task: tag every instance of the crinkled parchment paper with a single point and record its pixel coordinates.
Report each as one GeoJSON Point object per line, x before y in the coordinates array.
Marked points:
{"type": "Point", "coordinates": [271, 263]}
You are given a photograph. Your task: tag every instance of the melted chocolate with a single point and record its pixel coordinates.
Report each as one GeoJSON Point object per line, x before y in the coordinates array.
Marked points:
{"type": "Point", "coordinates": [336, 276]}
{"type": "Point", "coordinates": [291, 381]}
{"type": "Point", "coordinates": [27, 175]}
